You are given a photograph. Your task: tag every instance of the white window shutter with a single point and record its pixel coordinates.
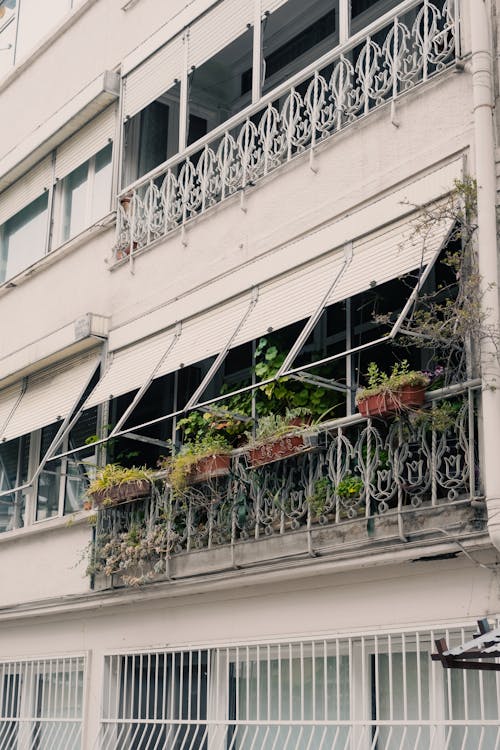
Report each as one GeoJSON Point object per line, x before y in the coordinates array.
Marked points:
{"type": "Point", "coordinates": [50, 395]}
{"type": "Point", "coordinates": [26, 189]}
{"type": "Point", "coordinates": [153, 77]}
{"type": "Point", "coordinates": [86, 143]}
{"type": "Point", "coordinates": [217, 28]}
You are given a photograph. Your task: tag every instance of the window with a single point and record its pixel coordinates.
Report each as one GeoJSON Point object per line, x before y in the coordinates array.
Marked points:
{"type": "Point", "coordinates": [86, 194]}
{"type": "Point", "coordinates": [14, 458]}
{"type": "Point", "coordinates": [62, 483]}
{"type": "Point", "coordinates": [23, 238]}
{"type": "Point", "coordinates": [381, 692]}
{"type": "Point", "coordinates": [41, 703]}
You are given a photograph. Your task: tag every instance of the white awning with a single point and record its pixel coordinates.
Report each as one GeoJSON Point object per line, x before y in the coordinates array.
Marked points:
{"type": "Point", "coordinates": [49, 396]}
{"type": "Point", "coordinates": [198, 338]}
{"type": "Point", "coordinates": [86, 143]}
{"type": "Point", "coordinates": [8, 400]}
{"type": "Point", "coordinates": [383, 255]}
{"type": "Point", "coordinates": [217, 28]}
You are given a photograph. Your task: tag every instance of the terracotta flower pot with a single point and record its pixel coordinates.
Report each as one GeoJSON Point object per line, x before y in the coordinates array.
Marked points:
{"type": "Point", "coordinates": [277, 450]}
{"type": "Point", "coordinates": [217, 465]}
{"type": "Point", "coordinates": [385, 404]}
{"type": "Point", "coordinates": [122, 493]}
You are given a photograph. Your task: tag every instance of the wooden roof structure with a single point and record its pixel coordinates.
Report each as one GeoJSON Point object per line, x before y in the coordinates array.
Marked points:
{"type": "Point", "coordinates": [477, 653]}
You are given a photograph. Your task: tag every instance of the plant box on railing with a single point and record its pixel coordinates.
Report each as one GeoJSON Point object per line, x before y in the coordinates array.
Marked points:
{"type": "Point", "coordinates": [392, 402]}
{"type": "Point", "coordinates": [208, 467]}
{"type": "Point", "coordinates": [280, 449]}
{"type": "Point", "coordinates": [121, 493]}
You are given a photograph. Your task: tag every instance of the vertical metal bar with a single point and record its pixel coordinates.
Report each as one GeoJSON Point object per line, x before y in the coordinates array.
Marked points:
{"type": "Point", "coordinates": [471, 441]}
{"type": "Point", "coordinates": [344, 20]}
{"type": "Point", "coordinates": [391, 686]}
{"type": "Point", "coordinates": [257, 53]}
{"type": "Point", "coordinates": [405, 677]}
{"type": "Point", "coordinates": [183, 95]}
{"type": "Point", "coordinates": [425, 61]}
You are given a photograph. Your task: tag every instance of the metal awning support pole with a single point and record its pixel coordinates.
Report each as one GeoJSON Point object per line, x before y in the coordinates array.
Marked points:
{"type": "Point", "coordinates": [142, 390]}
{"type": "Point", "coordinates": [222, 354]}
{"type": "Point", "coordinates": [311, 323]}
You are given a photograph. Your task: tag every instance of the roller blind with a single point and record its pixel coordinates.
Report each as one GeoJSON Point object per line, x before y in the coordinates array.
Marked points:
{"type": "Point", "coordinates": [50, 395]}
{"type": "Point", "coordinates": [382, 255]}
{"type": "Point", "coordinates": [87, 142]}
{"type": "Point", "coordinates": [218, 28]}
{"type": "Point", "coordinates": [8, 399]}
{"type": "Point", "coordinates": [200, 337]}
{"type": "Point", "coordinates": [151, 79]}
{"type": "Point", "coordinates": [26, 189]}
{"type": "Point", "coordinates": [389, 253]}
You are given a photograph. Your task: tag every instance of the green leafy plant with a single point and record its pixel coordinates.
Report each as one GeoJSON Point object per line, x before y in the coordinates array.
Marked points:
{"type": "Point", "coordinates": [275, 426]}
{"type": "Point", "coordinates": [440, 417]}
{"type": "Point", "coordinates": [114, 475]}
{"type": "Point", "coordinates": [285, 393]}
{"type": "Point", "coordinates": [181, 465]}
{"type": "Point", "coordinates": [380, 382]}
{"type": "Point", "coordinates": [318, 501]}
{"type": "Point", "coordinates": [350, 487]}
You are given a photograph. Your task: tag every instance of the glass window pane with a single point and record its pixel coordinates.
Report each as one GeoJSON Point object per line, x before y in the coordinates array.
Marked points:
{"type": "Point", "coordinates": [50, 478]}
{"type": "Point", "coordinates": [23, 238]}
{"type": "Point", "coordinates": [14, 457]}
{"type": "Point", "coordinates": [81, 468]}
{"type": "Point", "coordinates": [75, 201]}
{"type": "Point", "coordinates": [296, 35]}
{"type": "Point", "coordinates": [101, 190]}
{"type": "Point", "coordinates": [364, 12]}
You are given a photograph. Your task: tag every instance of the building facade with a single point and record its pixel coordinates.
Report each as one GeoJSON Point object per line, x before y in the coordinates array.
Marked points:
{"type": "Point", "coordinates": [232, 215]}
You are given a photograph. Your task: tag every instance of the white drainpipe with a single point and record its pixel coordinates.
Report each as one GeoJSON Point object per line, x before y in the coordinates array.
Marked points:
{"type": "Point", "coordinates": [484, 139]}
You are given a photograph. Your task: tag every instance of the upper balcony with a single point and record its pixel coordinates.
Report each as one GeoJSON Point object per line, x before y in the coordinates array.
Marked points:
{"type": "Point", "coordinates": [379, 62]}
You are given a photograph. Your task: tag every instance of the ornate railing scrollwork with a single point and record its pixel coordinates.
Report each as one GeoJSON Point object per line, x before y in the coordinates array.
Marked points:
{"type": "Point", "coordinates": [359, 469]}
{"type": "Point", "coordinates": [404, 51]}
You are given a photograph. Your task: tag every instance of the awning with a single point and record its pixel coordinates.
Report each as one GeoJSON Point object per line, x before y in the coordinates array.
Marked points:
{"type": "Point", "coordinates": [197, 338]}
{"type": "Point", "coordinates": [470, 655]}
{"type": "Point", "coordinates": [49, 396]}
{"type": "Point", "coordinates": [385, 254]}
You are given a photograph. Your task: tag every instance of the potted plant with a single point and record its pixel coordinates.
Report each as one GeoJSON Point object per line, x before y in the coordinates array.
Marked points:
{"type": "Point", "coordinates": [208, 439]}
{"type": "Point", "coordinates": [115, 484]}
{"type": "Point", "coordinates": [278, 437]}
{"type": "Point", "coordinates": [391, 393]}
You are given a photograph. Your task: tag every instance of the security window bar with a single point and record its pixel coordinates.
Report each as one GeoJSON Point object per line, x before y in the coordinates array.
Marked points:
{"type": "Point", "coordinates": [360, 692]}
{"type": "Point", "coordinates": [41, 704]}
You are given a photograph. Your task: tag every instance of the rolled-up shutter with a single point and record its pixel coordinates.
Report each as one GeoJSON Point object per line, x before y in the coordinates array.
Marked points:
{"type": "Point", "coordinates": [8, 400]}
{"type": "Point", "coordinates": [154, 76]}
{"type": "Point", "coordinates": [26, 189]}
{"type": "Point", "coordinates": [217, 28]}
{"type": "Point", "coordinates": [200, 337]}
{"type": "Point", "coordinates": [87, 142]}
{"type": "Point", "coordinates": [50, 395]}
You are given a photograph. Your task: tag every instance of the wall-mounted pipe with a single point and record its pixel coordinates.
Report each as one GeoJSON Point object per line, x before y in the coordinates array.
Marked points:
{"type": "Point", "coordinates": [484, 140]}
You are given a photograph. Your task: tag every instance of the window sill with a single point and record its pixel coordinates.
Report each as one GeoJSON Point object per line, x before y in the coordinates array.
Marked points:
{"type": "Point", "coordinates": [60, 252]}
{"type": "Point", "coordinates": [78, 518]}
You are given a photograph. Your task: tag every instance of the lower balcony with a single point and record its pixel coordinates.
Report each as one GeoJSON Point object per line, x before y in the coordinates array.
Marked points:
{"type": "Point", "coordinates": [334, 489]}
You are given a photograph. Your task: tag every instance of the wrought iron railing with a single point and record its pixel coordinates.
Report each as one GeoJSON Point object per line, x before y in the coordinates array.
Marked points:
{"type": "Point", "coordinates": [392, 56]}
{"type": "Point", "coordinates": [353, 468]}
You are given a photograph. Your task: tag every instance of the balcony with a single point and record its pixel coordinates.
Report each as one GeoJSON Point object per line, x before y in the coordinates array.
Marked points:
{"type": "Point", "coordinates": [346, 486]}
{"type": "Point", "coordinates": [377, 66]}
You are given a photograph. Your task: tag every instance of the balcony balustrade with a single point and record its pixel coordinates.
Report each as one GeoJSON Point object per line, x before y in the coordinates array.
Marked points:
{"type": "Point", "coordinates": [403, 49]}
{"type": "Point", "coordinates": [344, 473]}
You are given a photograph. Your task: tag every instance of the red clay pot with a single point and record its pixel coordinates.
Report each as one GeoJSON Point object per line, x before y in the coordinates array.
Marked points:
{"type": "Point", "coordinates": [385, 404]}
{"type": "Point", "coordinates": [277, 450]}
{"type": "Point", "coordinates": [122, 493]}
{"type": "Point", "coordinates": [207, 467]}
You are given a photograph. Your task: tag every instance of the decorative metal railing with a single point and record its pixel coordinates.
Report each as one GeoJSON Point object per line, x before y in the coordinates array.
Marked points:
{"type": "Point", "coordinates": [395, 54]}
{"type": "Point", "coordinates": [348, 469]}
